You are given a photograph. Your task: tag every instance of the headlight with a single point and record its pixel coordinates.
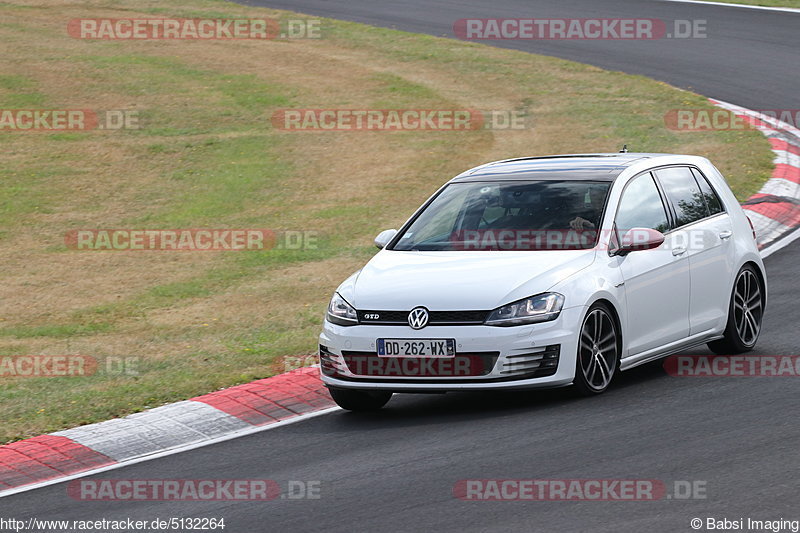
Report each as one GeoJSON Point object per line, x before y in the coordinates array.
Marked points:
{"type": "Point", "coordinates": [540, 308]}
{"type": "Point", "coordinates": [340, 312]}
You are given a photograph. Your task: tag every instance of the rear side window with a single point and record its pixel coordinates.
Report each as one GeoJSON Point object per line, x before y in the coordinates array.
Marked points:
{"type": "Point", "coordinates": [712, 200]}
{"type": "Point", "coordinates": [683, 194]}
{"type": "Point", "coordinates": [641, 206]}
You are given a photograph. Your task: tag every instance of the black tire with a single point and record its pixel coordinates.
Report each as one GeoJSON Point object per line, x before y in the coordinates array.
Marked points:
{"type": "Point", "coordinates": [358, 400]}
{"type": "Point", "coordinates": [598, 351]}
{"type": "Point", "coordinates": [745, 312]}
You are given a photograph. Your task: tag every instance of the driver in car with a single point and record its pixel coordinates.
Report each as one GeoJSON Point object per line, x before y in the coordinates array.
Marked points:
{"type": "Point", "coordinates": [590, 216]}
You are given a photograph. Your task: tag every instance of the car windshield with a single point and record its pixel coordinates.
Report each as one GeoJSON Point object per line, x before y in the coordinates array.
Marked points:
{"type": "Point", "coordinates": [509, 215]}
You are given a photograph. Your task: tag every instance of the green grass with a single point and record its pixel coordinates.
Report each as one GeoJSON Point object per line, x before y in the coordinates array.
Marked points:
{"type": "Point", "coordinates": [55, 331]}
{"type": "Point", "coordinates": [19, 92]}
{"type": "Point", "coordinates": [218, 177]}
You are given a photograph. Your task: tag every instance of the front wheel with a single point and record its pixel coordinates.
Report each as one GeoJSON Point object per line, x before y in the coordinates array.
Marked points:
{"type": "Point", "coordinates": [745, 311]}
{"type": "Point", "coordinates": [598, 352]}
{"type": "Point", "coordinates": [359, 400]}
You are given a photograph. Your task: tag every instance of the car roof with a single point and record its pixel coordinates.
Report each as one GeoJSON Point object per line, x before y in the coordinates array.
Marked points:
{"type": "Point", "coordinates": [588, 167]}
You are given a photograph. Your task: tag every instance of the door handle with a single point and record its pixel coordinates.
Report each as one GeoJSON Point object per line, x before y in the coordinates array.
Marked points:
{"type": "Point", "coordinates": [678, 251]}
{"type": "Point", "coordinates": [725, 234]}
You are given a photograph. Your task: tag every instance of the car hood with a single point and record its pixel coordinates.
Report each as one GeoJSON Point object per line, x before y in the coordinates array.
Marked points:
{"type": "Point", "coordinates": [452, 281]}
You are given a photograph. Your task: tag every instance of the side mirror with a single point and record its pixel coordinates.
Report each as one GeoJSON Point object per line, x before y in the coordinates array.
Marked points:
{"type": "Point", "coordinates": [385, 237]}
{"type": "Point", "coordinates": [638, 239]}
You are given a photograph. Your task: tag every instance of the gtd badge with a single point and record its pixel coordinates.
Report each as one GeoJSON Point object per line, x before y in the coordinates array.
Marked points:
{"type": "Point", "coordinates": [418, 318]}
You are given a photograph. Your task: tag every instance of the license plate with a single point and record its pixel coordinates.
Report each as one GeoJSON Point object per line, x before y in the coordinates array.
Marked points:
{"type": "Point", "coordinates": [416, 347]}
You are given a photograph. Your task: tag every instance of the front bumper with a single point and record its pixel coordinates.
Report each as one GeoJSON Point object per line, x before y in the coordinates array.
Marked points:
{"type": "Point", "coordinates": [505, 356]}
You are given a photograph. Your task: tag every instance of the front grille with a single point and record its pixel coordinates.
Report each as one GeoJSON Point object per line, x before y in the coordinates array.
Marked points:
{"type": "Point", "coordinates": [461, 365]}
{"type": "Point", "coordinates": [436, 318]}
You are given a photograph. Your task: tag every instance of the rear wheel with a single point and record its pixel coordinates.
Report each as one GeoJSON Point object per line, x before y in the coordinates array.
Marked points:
{"type": "Point", "coordinates": [598, 352]}
{"type": "Point", "coordinates": [745, 311]}
{"type": "Point", "coordinates": [358, 400]}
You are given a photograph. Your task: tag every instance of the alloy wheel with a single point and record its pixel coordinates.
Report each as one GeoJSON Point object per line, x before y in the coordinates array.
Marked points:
{"type": "Point", "coordinates": [747, 307]}
{"type": "Point", "coordinates": [598, 352]}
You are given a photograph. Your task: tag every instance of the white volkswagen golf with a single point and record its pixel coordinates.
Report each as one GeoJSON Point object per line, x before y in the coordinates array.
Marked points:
{"type": "Point", "coordinates": [545, 272]}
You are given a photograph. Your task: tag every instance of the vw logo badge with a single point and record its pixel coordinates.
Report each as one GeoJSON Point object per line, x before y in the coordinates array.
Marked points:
{"type": "Point", "coordinates": [418, 318]}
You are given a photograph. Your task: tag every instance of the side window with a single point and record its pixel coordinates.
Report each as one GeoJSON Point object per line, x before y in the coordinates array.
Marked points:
{"type": "Point", "coordinates": [683, 194]}
{"type": "Point", "coordinates": [641, 206]}
{"type": "Point", "coordinates": [712, 200]}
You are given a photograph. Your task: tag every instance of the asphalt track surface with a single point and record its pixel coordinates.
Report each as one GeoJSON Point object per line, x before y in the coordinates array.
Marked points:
{"type": "Point", "coordinates": [395, 470]}
{"type": "Point", "coordinates": [749, 57]}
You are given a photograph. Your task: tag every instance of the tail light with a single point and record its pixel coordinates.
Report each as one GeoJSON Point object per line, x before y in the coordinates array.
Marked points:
{"type": "Point", "coordinates": [752, 228]}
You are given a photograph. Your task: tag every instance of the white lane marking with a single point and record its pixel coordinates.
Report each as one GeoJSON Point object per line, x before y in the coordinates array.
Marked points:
{"type": "Point", "coordinates": [746, 6]}
{"type": "Point", "coordinates": [781, 244]}
{"type": "Point", "coordinates": [171, 451]}
{"type": "Point", "coordinates": [767, 229]}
